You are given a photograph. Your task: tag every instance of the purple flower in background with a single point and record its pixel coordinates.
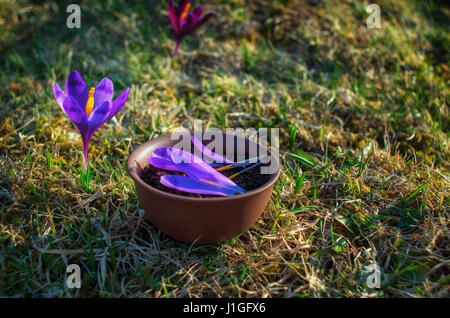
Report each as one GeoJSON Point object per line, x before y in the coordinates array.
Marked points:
{"type": "Point", "coordinates": [185, 22]}
{"type": "Point", "coordinates": [88, 109]}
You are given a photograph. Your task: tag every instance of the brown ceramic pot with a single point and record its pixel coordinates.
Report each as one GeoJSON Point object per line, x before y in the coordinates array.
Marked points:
{"type": "Point", "coordinates": [199, 220]}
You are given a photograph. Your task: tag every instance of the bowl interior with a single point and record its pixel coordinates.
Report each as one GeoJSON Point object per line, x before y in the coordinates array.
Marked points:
{"type": "Point", "coordinates": [236, 148]}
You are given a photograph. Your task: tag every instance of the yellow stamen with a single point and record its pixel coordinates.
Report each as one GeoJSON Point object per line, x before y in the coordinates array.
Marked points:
{"type": "Point", "coordinates": [210, 182]}
{"type": "Point", "coordinates": [224, 168]}
{"type": "Point", "coordinates": [185, 12]}
{"type": "Point", "coordinates": [90, 102]}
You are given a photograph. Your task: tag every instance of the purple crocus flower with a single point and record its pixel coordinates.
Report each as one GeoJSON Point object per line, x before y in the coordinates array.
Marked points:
{"type": "Point", "coordinates": [88, 109]}
{"type": "Point", "coordinates": [200, 177]}
{"type": "Point", "coordinates": [185, 22]}
{"type": "Point", "coordinates": [191, 185]}
{"type": "Point", "coordinates": [208, 153]}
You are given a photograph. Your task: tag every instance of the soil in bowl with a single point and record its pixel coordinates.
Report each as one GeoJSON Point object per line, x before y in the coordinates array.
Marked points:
{"type": "Point", "coordinates": [248, 180]}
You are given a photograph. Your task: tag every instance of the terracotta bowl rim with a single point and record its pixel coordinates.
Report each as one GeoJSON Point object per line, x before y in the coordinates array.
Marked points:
{"type": "Point", "coordinates": [138, 179]}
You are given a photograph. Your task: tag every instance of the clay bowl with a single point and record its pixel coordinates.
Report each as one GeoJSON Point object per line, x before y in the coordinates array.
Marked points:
{"type": "Point", "coordinates": [199, 220]}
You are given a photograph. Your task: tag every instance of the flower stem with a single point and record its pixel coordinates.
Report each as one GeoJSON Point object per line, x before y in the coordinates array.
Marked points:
{"type": "Point", "coordinates": [175, 52]}
{"type": "Point", "coordinates": [84, 162]}
{"type": "Point", "coordinates": [84, 165]}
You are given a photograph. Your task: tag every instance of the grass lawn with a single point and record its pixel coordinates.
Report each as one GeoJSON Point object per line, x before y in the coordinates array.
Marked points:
{"type": "Point", "coordinates": [363, 118]}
